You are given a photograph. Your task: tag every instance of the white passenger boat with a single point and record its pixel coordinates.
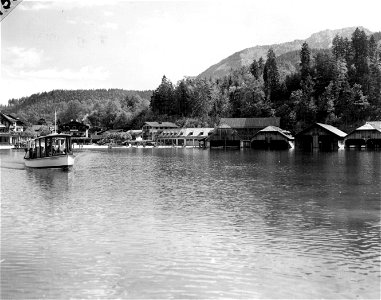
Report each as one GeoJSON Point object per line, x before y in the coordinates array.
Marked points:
{"type": "Point", "coordinates": [50, 151]}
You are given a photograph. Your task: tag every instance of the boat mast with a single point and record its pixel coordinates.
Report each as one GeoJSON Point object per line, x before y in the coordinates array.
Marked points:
{"type": "Point", "coordinates": [55, 121]}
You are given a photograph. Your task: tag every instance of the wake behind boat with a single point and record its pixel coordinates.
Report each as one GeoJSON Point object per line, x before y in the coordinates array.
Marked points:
{"type": "Point", "coordinates": [50, 151]}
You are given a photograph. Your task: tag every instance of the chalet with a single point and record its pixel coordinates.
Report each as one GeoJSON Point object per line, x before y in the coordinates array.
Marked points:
{"type": "Point", "coordinates": [79, 132]}
{"type": "Point", "coordinates": [368, 135]}
{"type": "Point", "coordinates": [248, 127]}
{"type": "Point", "coordinates": [9, 123]}
{"type": "Point", "coordinates": [191, 137]}
{"type": "Point", "coordinates": [75, 129]}
{"type": "Point", "coordinates": [10, 129]}
{"type": "Point", "coordinates": [320, 136]}
{"type": "Point", "coordinates": [224, 137]}
{"type": "Point", "coordinates": [151, 130]}
{"type": "Point", "coordinates": [272, 137]}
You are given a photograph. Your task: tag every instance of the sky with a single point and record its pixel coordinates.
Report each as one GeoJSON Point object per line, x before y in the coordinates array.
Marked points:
{"type": "Point", "coordinates": [67, 44]}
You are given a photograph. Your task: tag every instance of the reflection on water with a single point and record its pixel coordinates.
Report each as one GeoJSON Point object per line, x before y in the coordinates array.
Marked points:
{"type": "Point", "coordinates": [190, 223]}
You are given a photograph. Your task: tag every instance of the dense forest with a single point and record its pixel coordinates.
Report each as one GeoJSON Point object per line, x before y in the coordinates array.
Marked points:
{"type": "Point", "coordinates": [340, 86]}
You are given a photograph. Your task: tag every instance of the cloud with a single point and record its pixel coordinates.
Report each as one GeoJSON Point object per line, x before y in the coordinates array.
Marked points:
{"type": "Point", "coordinates": [108, 13]}
{"type": "Point", "coordinates": [109, 25]}
{"type": "Point", "coordinates": [72, 22]}
{"type": "Point", "coordinates": [64, 4]}
{"type": "Point", "coordinates": [85, 73]}
{"type": "Point", "coordinates": [20, 58]}
{"type": "Point", "coordinates": [35, 6]}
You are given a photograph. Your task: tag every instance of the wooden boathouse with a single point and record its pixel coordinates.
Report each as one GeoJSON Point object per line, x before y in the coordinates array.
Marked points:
{"type": "Point", "coordinates": [224, 137]}
{"type": "Point", "coordinates": [246, 128]}
{"type": "Point", "coordinates": [321, 137]}
{"type": "Point", "coordinates": [368, 135]}
{"type": "Point", "coordinates": [272, 137]}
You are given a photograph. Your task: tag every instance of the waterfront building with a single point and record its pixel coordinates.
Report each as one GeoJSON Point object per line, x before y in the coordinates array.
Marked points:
{"type": "Point", "coordinates": [11, 128]}
{"type": "Point", "coordinates": [78, 130]}
{"type": "Point", "coordinates": [272, 137]}
{"type": "Point", "coordinates": [191, 137]}
{"type": "Point", "coordinates": [224, 137]}
{"type": "Point", "coordinates": [368, 135]}
{"type": "Point", "coordinates": [151, 130]}
{"type": "Point", "coordinates": [320, 136]}
{"type": "Point", "coordinates": [75, 129]}
{"type": "Point", "coordinates": [248, 127]}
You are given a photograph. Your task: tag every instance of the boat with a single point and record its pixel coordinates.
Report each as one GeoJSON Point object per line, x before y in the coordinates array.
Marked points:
{"type": "Point", "coordinates": [50, 151]}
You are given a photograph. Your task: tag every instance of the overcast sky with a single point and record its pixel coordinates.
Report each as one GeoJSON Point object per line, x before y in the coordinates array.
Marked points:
{"type": "Point", "coordinates": [132, 44]}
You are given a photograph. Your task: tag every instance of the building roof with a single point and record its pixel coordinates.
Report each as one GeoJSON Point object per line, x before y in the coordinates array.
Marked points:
{"type": "Point", "coordinates": [161, 124]}
{"type": "Point", "coordinates": [12, 119]}
{"type": "Point", "coordinates": [373, 125]}
{"type": "Point", "coordinates": [285, 133]}
{"type": "Point", "coordinates": [327, 127]}
{"type": "Point", "coordinates": [250, 122]}
{"type": "Point", "coordinates": [185, 132]}
{"type": "Point", "coordinates": [333, 129]}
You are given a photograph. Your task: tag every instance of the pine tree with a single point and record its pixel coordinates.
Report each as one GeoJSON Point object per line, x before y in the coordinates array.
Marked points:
{"type": "Point", "coordinates": [162, 100]}
{"type": "Point", "coordinates": [271, 76]}
{"type": "Point", "coordinates": [305, 61]}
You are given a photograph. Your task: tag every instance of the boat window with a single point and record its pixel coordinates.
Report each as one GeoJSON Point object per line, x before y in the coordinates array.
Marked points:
{"type": "Point", "coordinates": [41, 152]}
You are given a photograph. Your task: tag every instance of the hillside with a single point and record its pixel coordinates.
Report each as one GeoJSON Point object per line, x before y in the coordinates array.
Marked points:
{"type": "Point", "coordinates": [319, 40]}
{"type": "Point", "coordinates": [67, 102]}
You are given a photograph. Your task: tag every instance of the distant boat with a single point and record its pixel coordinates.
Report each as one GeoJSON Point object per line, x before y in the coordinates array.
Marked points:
{"type": "Point", "coordinates": [50, 151]}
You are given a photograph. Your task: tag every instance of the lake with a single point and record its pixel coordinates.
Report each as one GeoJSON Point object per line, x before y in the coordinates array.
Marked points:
{"type": "Point", "coordinates": [192, 223]}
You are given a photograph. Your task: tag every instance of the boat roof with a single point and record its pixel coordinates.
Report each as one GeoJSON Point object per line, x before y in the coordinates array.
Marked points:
{"type": "Point", "coordinates": [53, 135]}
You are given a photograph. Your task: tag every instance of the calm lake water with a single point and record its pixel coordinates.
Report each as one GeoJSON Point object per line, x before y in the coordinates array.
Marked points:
{"type": "Point", "coordinates": [191, 223]}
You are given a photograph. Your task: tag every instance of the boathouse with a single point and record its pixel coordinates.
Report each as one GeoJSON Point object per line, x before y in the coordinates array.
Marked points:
{"type": "Point", "coordinates": [151, 130]}
{"type": "Point", "coordinates": [272, 137]}
{"type": "Point", "coordinates": [248, 127]}
{"type": "Point", "coordinates": [321, 137]}
{"type": "Point", "coordinates": [186, 137]}
{"type": "Point", "coordinates": [368, 135]}
{"type": "Point", "coordinates": [224, 137]}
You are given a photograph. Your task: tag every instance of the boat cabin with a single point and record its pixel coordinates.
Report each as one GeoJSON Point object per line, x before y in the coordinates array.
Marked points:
{"type": "Point", "coordinates": [48, 146]}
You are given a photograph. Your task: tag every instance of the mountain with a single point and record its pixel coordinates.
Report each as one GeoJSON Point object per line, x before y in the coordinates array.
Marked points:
{"type": "Point", "coordinates": [319, 40]}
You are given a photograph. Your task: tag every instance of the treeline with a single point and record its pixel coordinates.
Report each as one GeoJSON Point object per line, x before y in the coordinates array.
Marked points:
{"type": "Point", "coordinates": [104, 108]}
{"type": "Point", "coordinates": [341, 87]}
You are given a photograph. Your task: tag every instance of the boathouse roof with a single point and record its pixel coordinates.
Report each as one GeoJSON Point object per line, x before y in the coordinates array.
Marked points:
{"type": "Point", "coordinates": [329, 128]}
{"type": "Point", "coordinates": [285, 133]}
{"type": "Point", "coordinates": [373, 125]}
{"type": "Point", "coordinates": [250, 122]}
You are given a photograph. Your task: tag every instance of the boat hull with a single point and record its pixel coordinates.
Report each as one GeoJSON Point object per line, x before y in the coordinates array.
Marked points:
{"type": "Point", "coordinates": [61, 161]}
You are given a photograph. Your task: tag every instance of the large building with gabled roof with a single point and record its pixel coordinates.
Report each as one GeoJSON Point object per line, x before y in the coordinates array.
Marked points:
{"type": "Point", "coordinates": [248, 127]}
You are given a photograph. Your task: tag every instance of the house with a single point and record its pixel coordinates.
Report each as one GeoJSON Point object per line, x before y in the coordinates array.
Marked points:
{"type": "Point", "coordinates": [320, 136]}
{"type": "Point", "coordinates": [248, 127]}
{"type": "Point", "coordinates": [224, 137]}
{"type": "Point", "coordinates": [191, 137]}
{"type": "Point", "coordinates": [10, 130]}
{"type": "Point", "coordinates": [151, 130]}
{"type": "Point", "coordinates": [75, 129]}
{"type": "Point", "coordinates": [9, 123]}
{"type": "Point", "coordinates": [368, 135]}
{"type": "Point", "coordinates": [272, 137]}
